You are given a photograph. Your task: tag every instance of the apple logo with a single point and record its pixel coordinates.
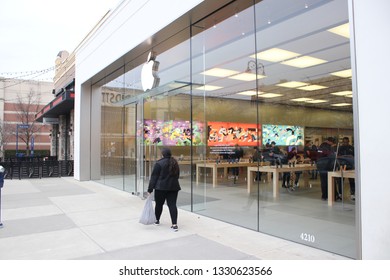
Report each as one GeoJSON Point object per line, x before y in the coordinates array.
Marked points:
{"type": "Point", "coordinates": [149, 76]}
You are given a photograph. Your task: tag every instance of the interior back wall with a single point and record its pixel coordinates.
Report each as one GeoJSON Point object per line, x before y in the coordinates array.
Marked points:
{"type": "Point", "coordinates": [233, 110]}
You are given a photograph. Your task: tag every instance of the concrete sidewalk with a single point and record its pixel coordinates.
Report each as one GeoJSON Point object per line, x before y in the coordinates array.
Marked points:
{"type": "Point", "coordinates": [62, 218]}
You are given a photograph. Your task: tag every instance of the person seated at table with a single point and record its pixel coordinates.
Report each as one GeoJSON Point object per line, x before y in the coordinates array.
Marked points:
{"type": "Point", "coordinates": [346, 158]}
{"type": "Point", "coordinates": [238, 153]}
{"type": "Point", "coordinates": [292, 156]}
{"type": "Point", "coordinates": [257, 157]}
{"type": "Point", "coordinates": [325, 163]}
{"type": "Point", "coordinates": [275, 155]}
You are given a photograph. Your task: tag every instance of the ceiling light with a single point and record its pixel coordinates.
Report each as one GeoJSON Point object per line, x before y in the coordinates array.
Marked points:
{"type": "Point", "coordinates": [275, 55]}
{"type": "Point", "coordinates": [302, 99]}
{"type": "Point", "coordinates": [341, 104]}
{"type": "Point", "coordinates": [246, 77]}
{"type": "Point", "coordinates": [342, 93]}
{"type": "Point", "coordinates": [314, 101]}
{"type": "Point", "coordinates": [312, 87]}
{"type": "Point", "coordinates": [269, 95]}
{"type": "Point", "coordinates": [219, 72]}
{"type": "Point", "coordinates": [303, 61]}
{"type": "Point", "coordinates": [292, 84]}
{"type": "Point", "coordinates": [208, 88]}
{"type": "Point", "coordinates": [343, 73]}
{"type": "Point", "coordinates": [342, 30]}
{"type": "Point", "coordinates": [248, 92]}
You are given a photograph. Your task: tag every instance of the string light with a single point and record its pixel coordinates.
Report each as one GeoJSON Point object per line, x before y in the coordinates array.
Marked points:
{"type": "Point", "coordinates": [17, 75]}
{"type": "Point", "coordinates": [26, 75]}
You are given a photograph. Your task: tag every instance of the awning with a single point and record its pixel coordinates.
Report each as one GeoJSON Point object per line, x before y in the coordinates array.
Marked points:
{"type": "Point", "coordinates": [61, 105]}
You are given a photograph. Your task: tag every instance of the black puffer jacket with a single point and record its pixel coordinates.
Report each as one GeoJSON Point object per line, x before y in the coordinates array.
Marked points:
{"type": "Point", "coordinates": [161, 179]}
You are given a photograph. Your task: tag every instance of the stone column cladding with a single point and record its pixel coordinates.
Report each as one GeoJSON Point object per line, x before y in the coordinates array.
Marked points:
{"type": "Point", "coordinates": [62, 141]}
{"type": "Point", "coordinates": [71, 136]}
{"type": "Point", "coordinates": [63, 134]}
{"type": "Point", "coordinates": [53, 140]}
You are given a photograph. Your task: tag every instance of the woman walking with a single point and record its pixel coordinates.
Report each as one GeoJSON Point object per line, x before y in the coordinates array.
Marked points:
{"type": "Point", "coordinates": [165, 183]}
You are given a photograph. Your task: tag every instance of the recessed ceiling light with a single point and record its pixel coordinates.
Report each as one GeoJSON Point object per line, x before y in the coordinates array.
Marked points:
{"type": "Point", "coordinates": [342, 30]}
{"type": "Point", "coordinates": [269, 95]}
{"type": "Point", "coordinates": [292, 84]}
{"type": "Point", "coordinates": [342, 93]}
{"type": "Point", "coordinates": [275, 55]}
{"type": "Point", "coordinates": [341, 104]}
{"type": "Point", "coordinates": [219, 72]}
{"type": "Point", "coordinates": [304, 61]}
{"type": "Point", "coordinates": [248, 92]}
{"type": "Point", "coordinates": [246, 77]}
{"type": "Point", "coordinates": [312, 87]}
{"type": "Point", "coordinates": [314, 101]}
{"type": "Point", "coordinates": [208, 88]}
{"type": "Point", "coordinates": [302, 99]}
{"type": "Point", "coordinates": [343, 73]}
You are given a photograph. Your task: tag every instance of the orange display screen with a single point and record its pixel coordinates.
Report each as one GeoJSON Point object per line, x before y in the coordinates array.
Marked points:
{"type": "Point", "coordinates": [232, 133]}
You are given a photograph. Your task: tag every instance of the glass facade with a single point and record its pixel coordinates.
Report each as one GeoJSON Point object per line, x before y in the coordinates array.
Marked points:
{"type": "Point", "coordinates": [247, 75]}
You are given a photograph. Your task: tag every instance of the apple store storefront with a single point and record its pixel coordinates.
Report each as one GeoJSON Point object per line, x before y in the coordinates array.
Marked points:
{"type": "Point", "coordinates": [217, 76]}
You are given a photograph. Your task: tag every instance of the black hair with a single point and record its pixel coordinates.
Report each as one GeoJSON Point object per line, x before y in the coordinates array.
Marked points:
{"type": "Point", "coordinates": [166, 152]}
{"type": "Point", "coordinates": [173, 164]}
{"type": "Point", "coordinates": [331, 139]}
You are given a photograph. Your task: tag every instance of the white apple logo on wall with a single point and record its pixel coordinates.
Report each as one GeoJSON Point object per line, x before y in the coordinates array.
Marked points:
{"type": "Point", "coordinates": [149, 76]}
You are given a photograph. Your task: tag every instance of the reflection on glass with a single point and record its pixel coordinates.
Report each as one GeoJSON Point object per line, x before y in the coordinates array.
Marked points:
{"type": "Point", "coordinates": [302, 96]}
{"type": "Point", "coordinates": [261, 97]}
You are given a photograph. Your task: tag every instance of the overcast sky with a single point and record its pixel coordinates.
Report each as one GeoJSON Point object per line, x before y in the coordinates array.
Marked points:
{"type": "Point", "coordinates": [33, 32]}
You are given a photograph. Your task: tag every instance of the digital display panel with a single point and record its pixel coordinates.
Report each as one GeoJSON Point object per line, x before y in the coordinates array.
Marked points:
{"type": "Point", "coordinates": [283, 135]}
{"type": "Point", "coordinates": [232, 133]}
{"type": "Point", "coordinates": [173, 133]}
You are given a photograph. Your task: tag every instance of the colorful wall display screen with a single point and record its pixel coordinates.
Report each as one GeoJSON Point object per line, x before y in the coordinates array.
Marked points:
{"type": "Point", "coordinates": [232, 133]}
{"type": "Point", "coordinates": [283, 135]}
{"type": "Point", "coordinates": [173, 133]}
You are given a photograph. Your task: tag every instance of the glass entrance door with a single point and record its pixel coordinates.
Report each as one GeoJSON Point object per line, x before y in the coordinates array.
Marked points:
{"type": "Point", "coordinates": [140, 154]}
{"type": "Point", "coordinates": [154, 121]}
{"type": "Point", "coordinates": [130, 147]}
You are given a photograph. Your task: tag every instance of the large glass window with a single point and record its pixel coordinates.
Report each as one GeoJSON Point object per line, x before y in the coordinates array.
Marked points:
{"type": "Point", "coordinates": [113, 148]}
{"type": "Point", "coordinates": [278, 73]}
{"type": "Point", "coordinates": [224, 79]}
{"type": "Point", "coordinates": [255, 101]}
{"type": "Point", "coordinates": [304, 48]}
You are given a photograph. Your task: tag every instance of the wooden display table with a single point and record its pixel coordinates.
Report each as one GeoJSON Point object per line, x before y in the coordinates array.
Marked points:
{"type": "Point", "coordinates": [215, 166]}
{"type": "Point", "coordinates": [331, 187]}
{"type": "Point", "coordinates": [276, 171]}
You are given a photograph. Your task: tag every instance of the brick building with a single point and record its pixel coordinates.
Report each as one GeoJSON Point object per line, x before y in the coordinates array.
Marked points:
{"type": "Point", "coordinates": [20, 100]}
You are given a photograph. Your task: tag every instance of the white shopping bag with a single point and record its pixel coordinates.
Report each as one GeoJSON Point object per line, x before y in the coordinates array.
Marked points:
{"type": "Point", "coordinates": [148, 217]}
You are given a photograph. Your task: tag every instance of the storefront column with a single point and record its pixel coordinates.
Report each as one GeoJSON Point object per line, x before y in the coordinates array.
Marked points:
{"type": "Point", "coordinates": [371, 100]}
{"type": "Point", "coordinates": [96, 103]}
{"type": "Point", "coordinates": [82, 132]}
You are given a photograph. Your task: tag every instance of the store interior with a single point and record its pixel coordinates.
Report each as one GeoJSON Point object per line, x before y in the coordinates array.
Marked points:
{"type": "Point", "coordinates": [289, 73]}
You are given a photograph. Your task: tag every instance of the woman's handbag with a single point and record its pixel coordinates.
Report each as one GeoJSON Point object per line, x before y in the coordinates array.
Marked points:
{"type": "Point", "coordinates": [148, 217]}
